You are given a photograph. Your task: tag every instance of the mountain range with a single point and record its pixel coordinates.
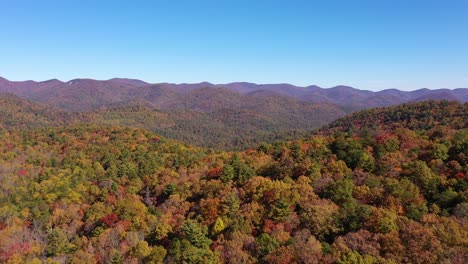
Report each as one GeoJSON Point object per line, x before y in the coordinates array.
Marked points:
{"type": "Point", "coordinates": [226, 116]}
{"type": "Point", "coordinates": [89, 94]}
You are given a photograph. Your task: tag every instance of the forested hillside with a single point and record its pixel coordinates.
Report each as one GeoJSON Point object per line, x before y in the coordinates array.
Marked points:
{"type": "Point", "coordinates": [420, 116]}
{"type": "Point", "coordinates": [17, 113]}
{"type": "Point", "coordinates": [382, 186]}
{"type": "Point", "coordinates": [205, 122]}
{"type": "Point", "coordinates": [222, 128]}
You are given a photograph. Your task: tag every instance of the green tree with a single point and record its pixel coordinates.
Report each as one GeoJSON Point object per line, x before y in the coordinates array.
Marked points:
{"type": "Point", "coordinates": [353, 257]}
{"type": "Point", "coordinates": [266, 244]}
{"type": "Point", "coordinates": [340, 191]}
{"type": "Point", "coordinates": [196, 234]}
{"type": "Point", "coordinates": [57, 243]}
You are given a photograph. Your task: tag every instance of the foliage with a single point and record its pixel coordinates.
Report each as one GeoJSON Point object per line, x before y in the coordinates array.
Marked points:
{"type": "Point", "coordinates": [395, 193]}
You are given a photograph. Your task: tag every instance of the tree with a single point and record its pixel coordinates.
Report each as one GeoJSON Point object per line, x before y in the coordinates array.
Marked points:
{"type": "Point", "coordinates": [353, 215]}
{"type": "Point", "coordinates": [354, 257]}
{"type": "Point", "coordinates": [265, 244]}
{"type": "Point", "coordinates": [382, 221]}
{"type": "Point", "coordinates": [420, 243]}
{"type": "Point", "coordinates": [227, 174]}
{"type": "Point", "coordinates": [340, 191]}
{"type": "Point", "coordinates": [156, 256]}
{"type": "Point", "coordinates": [57, 243]}
{"type": "Point", "coordinates": [141, 250]}
{"type": "Point", "coordinates": [321, 219]}
{"type": "Point", "coordinates": [196, 234]}
{"type": "Point", "coordinates": [218, 226]}
{"type": "Point", "coordinates": [439, 151]}
{"type": "Point", "coordinates": [421, 174]}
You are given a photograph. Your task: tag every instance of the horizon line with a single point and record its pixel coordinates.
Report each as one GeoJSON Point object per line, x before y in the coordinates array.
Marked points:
{"type": "Point", "coordinates": [247, 82]}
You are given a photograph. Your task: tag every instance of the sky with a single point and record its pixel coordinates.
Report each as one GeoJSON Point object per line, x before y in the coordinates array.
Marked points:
{"type": "Point", "coordinates": [374, 44]}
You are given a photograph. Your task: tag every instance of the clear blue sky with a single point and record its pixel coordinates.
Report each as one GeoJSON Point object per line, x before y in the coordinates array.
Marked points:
{"type": "Point", "coordinates": [373, 44]}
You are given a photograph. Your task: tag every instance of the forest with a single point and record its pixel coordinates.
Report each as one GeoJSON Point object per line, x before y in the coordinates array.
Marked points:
{"type": "Point", "coordinates": [384, 185]}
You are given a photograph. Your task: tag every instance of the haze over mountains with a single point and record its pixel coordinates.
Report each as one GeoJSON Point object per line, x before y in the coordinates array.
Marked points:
{"type": "Point", "coordinates": [228, 116]}
{"type": "Point", "coordinates": [89, 94]}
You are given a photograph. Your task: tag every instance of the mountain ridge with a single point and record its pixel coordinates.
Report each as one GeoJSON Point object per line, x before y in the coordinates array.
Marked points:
{"type": "Point", "coordinates": [229, 84]}
{"type": "Point", "coordinates": [83, 94]}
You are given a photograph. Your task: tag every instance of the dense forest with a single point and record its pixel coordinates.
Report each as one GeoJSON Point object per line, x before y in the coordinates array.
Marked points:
{"type": "Point", "coordinates": [233, 128]}
{"type": "Point", "coordinates": [17, 113]}
{"type": "Point", "coordinates": [385, 185]}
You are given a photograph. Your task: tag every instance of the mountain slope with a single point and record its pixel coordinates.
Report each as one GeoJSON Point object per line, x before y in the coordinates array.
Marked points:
{"type": "Point", "coordinates": [209, 117]}
{"type": "Point", "coordinates": [18, 113]}
{"type": "Point", "coordinates": [204, 122]}
{"type": "Point", "coordinates": [416, 116]}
